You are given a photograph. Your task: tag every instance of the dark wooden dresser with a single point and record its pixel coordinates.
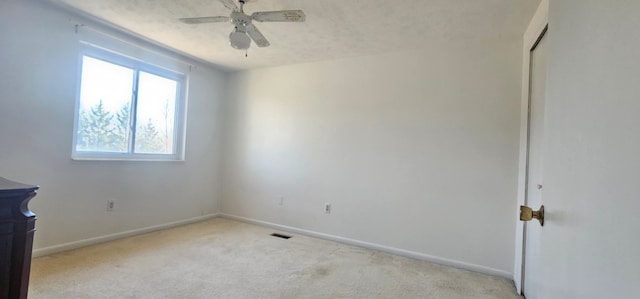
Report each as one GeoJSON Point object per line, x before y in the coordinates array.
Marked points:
{"type": "Point", "coordinates": [17, 225]}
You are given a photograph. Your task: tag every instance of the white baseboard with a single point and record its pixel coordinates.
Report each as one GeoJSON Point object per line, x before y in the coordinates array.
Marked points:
{"type": "Point", "coordinates": [92, 241]}
{"type": "Point", "coordinates": [396, 251]}
{"type": "Point", "coordinates": [391, 250]}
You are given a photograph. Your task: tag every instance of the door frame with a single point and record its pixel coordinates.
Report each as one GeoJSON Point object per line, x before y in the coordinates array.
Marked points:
{"type": "Point", "coordinates": [537, 28]}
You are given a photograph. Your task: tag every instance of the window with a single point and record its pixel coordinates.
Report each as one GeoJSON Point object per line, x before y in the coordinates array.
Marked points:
{"type": "Point", "coordinates": [128, 109]}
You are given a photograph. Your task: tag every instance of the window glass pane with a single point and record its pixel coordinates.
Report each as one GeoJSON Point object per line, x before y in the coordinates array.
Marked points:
{"type": "Point", "coordinates": [105, 102]}
{"type": "Point", "coordinates": [155, 114]}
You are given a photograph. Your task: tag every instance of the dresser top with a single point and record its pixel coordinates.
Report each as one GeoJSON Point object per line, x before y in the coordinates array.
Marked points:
{"type": "Point", "coordinates": [7, 185]}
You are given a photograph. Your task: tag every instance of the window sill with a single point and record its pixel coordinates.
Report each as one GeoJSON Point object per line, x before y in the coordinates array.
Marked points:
{"type": "Point", "coordinates": [126, 159]}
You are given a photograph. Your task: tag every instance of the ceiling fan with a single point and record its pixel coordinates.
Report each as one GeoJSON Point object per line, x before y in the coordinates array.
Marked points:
{"type": "Point", "coordinates": [244, 28]}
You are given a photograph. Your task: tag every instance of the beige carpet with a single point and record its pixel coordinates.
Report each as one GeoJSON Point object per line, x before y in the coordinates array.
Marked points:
{"type": "Point", "coordinates": [221, 258]}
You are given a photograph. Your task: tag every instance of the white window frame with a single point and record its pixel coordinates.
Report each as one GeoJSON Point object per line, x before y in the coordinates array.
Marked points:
{"type": "Point", "coordinates": [137, 65]}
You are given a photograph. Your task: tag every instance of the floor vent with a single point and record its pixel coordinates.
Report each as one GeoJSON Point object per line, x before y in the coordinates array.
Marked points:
{"type": "Point", "coordinates": [281, 236]}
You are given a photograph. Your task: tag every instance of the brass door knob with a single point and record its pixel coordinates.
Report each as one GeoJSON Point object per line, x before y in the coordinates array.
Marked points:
{"type": "Point", "coordinates": [527, 214]}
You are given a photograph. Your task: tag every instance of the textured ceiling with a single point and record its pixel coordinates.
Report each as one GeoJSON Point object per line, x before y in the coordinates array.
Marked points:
{"type": "Point", "coordinates": [333, 29]}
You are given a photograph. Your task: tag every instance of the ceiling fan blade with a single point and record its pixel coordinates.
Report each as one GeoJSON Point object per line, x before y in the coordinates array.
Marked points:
{"type": "Point", "coordinates": [204, 20]}
{"type": "Point", "coordinates": [230, 4]}
{"type": "Point", "coordinates": [257, 36]}
{"type": "Point", "coordinates": [279, 16]}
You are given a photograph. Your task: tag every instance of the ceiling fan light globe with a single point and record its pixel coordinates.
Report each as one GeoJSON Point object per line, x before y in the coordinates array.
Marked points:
{"type": "Point", "coordinates": [239, 40]}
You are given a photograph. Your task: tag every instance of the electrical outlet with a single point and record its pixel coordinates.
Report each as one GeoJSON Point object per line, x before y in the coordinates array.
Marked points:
{"type": "Point", "coordinates": [327, 208]}
{"type": "Point", "coordinates": [110, 205]}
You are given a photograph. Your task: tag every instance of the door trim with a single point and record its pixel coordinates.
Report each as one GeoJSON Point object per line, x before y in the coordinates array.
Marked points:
{"type": "Point", "coordinates": [537, 28]}
{"type": "Point", "coordinates": [523, 286]}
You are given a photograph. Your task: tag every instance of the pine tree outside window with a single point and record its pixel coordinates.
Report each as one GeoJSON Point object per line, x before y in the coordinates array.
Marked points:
{"type": "Point", "coordinates": [128, 110]}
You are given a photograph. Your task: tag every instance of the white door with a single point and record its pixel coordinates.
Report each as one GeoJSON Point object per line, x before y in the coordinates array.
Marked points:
{"type": "Point", "coordinates": [534, 186]}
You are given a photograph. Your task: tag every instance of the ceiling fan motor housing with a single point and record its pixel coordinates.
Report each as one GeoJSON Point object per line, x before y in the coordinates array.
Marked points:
{"type": "Point", "coordinates": [238, 18]}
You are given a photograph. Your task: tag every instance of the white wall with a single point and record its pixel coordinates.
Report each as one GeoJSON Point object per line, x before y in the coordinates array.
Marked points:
{"type": "Point", "coordinates": [38, 74]}
{"type": "Point", "coordinates": [590, 244]}
{"type": "Point", "coordinates": [416, 150]}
